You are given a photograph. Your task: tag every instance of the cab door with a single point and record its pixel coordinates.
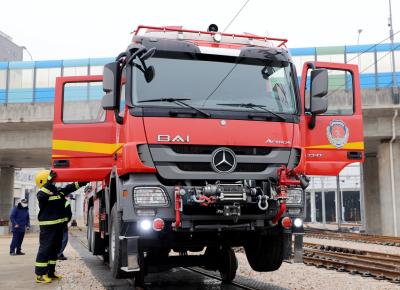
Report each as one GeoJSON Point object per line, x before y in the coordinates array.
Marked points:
{"type": "Point", "coordinates": [84, 135]}
{"type": "Point", "coordinates": [336, 139]}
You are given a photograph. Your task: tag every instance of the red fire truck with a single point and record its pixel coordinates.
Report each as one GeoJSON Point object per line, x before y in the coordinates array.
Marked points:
{"type": "Point", "coordinates": [202, 142]}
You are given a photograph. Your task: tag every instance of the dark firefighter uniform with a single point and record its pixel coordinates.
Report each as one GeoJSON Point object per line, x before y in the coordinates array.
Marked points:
{"type": "Point", "coordinates": [51, 220]}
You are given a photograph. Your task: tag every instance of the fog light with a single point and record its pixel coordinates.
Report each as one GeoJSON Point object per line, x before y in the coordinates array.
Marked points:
{"type": "Point", "coordinates": [298, 222]}
{"type": "Point", "coordinates": [158, 224]}
{"type": "Point", "coordinates": [145, 225]}
{"type": "Point", "coordinates": [287, 222]}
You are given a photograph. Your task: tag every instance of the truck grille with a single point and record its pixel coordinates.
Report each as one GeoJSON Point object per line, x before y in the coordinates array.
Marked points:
{"type": "Point", "coordinates": [242, 167]}
{"type": "Point", "coordinates": [194, 162]}
{"type": "Point", "coordinates": [239, 150]}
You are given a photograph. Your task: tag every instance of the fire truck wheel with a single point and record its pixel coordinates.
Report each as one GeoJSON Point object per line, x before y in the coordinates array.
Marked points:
{"type": "Point", "coordinates": [265, 252]}
{"type": "Point", "coordinates": [96, 242]}
{"type": "Point", "coordinates": [228, 264]}
{"type": "Point", "coordinates": [89, 230]}
{"type": "Point", "coordinates": [115, 255]}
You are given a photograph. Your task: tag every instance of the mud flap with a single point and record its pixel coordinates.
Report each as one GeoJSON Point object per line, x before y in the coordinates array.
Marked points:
{"type": "Point", "coordinates": [298, 248]}
{"type": "Point", "coordinates": [130, 254]}
{"type": "Point", "coordinates": [287, 246]}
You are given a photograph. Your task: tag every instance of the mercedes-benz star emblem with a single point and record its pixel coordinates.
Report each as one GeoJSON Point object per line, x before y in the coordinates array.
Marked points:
{"type": "Point", "coordinates": [223, 160]}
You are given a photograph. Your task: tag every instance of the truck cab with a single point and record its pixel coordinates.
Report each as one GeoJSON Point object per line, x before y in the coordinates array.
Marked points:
{"type": "Point", "coordinates": [203, 142]}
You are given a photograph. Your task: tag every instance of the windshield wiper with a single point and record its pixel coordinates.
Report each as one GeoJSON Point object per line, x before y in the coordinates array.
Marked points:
{"type": "Point", "coordinates": [179, 101]}
{"type": "Point", "coordinates": [254, 106]}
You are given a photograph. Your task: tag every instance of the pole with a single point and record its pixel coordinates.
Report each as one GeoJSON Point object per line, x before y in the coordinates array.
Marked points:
{"type": "Point", "coordinates": [338, 203]}
{"type": "Point", "coordinates": [395, 91]}
{"type": "Point", "coordinates": [312, 202]}
{"type": "Point", "coordinates": [323, 202]}
{"type": "Point", "coordinates": [358, 43]}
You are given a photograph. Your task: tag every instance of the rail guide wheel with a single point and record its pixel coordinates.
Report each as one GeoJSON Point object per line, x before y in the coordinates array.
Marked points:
{"type": "Point", "coordinates": [228, 264]}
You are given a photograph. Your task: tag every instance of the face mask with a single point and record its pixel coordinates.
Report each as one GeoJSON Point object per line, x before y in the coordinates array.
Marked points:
{"type": "Point", "coordinates": [24, 204]}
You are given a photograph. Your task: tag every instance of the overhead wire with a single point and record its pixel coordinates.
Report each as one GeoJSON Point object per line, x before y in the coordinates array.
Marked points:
{"type": "Point", "coordinates": [237, 14]}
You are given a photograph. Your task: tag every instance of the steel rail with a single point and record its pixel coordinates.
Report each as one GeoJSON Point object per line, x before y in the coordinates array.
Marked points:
{"type": "Point", "coordinates": [362, 253]}
{"type": "Point", "coordinates": [207, 274]}
{"type": "Point", "coordinates": [369, 264]}
{"type": "Point", "coordinates": [374, 239]}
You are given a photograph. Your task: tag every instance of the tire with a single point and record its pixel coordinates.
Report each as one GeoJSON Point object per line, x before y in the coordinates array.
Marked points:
{"type": "Point", "coordinates": [89, 229]}
{"type": "Point", "coordinates": [115, 255]}
{"type": "Point", "coordinates": [265, 252]}
{"type": "Point", "coordinates": [97, 243]}
{"type": "Point", "coordinates": [228, 264]}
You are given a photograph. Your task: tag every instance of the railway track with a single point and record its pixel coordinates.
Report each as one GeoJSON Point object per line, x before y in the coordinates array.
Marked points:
{"type": "Point", "coordinates": [364, 238]}
{"type": "Point", "coordinates": [366, 263]}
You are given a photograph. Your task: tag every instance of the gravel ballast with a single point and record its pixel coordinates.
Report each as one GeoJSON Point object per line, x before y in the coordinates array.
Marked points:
{"type": "Point", "coordinates": [76, 274]}
{"type": "Point", "coordinates": [300, 276]}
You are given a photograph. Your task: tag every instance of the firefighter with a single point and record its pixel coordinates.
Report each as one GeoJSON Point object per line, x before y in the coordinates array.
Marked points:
{"type": "Point", "coordinates": [51, 220]}
{"type": "Point", "coordinates": [67, 217]}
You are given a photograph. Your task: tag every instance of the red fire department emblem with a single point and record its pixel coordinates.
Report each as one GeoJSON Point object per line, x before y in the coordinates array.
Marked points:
{"type": "Point", "coordinates": [338, 133]}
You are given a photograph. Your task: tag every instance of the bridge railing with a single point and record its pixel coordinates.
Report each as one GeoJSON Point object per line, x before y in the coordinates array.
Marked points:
{"type": "Point", "coordinates": [33, 81]}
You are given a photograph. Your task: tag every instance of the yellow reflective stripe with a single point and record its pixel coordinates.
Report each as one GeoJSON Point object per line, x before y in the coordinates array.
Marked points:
{"type": "Point", "coordinates": [53, 222]}
{"type": "Point", "coordinates": [45, 190]}
{"type": "Point", "coordinates": [350, 146]}
{"type": "Point", "coordinates": [59, 156]}
{"type": "Point", "coordinates": [38, 264]}
{"type": "Point", "coordinates": [91, 147]}
{"type": "Point", "coordinates": [67, 203]}
{"type": "Point", "coordinates": [54, 197]}
{"type": "Point", "coordinates": [51, 262]}
{"type": "Point", "coordinates": [77, 185]}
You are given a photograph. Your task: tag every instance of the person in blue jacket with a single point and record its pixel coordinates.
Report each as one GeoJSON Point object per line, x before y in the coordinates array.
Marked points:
{"type": "Point", "coordinates": [19, 224]}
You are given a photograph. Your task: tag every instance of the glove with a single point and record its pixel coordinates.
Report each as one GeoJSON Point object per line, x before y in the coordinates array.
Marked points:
{"type": "Point", "coordinates": [52, 174]}
{"type": "Point", "coordinates": [83, 183]}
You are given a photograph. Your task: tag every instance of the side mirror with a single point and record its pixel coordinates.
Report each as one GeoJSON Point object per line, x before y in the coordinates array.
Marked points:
{"type": "Point", "coordinates": [111, 84]}
{"type": "Point", "coordinates": [319, 89]}
{"type": "Point", "coordinates": [149, 74]}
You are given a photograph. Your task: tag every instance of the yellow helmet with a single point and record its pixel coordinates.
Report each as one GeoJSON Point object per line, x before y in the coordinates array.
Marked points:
{"type": "Point", "coordinates": [41, 177]}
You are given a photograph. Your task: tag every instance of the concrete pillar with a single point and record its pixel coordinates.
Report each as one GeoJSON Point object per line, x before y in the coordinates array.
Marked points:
{"type": "Point", "coordinates": [312, 206]}
{"type": "Point", "coordinates": [389, 204]}
{"type": "Point", "coordinates": [6, 193]}
{"type": "Point", "coordinates": [372, 195]}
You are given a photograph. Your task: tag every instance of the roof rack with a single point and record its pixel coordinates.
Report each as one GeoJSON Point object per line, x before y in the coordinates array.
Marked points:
{"type": "Point", "coordinates": [281, 41]}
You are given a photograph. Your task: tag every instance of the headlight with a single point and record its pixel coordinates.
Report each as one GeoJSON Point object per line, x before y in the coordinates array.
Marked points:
{"type": "Point", "coordinates": [150, 197]}
{"type": "Point", "coordinates": [295, 196]}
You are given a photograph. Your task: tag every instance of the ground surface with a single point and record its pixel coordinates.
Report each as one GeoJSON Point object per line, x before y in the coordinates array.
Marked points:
{"type": "Point", "coordinates": [84, 271]}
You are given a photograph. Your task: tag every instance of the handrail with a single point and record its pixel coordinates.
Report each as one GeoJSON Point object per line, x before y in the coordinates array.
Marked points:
{"type": "Point", "coordinates": [177, 29]}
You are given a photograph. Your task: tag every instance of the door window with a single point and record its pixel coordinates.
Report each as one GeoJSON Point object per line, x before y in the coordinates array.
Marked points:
{"type": "Point", "coordinates": [340, 94]}
{"type": "Point", "coordinates": [82, 102]}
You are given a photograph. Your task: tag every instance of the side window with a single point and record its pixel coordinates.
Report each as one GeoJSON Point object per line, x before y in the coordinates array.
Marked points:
{"type": "Point", "coordinates": [82, 102]}
{"type": "Point", "coordinates": [340, 93]}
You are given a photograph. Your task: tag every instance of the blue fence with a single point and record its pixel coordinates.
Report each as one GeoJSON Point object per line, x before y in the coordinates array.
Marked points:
{"type": "Point", "coordinates": [33, 81]}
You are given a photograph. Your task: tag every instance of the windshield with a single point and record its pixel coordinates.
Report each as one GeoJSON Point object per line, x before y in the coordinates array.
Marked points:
{"type": "Point", "coordinates": [217, 83]}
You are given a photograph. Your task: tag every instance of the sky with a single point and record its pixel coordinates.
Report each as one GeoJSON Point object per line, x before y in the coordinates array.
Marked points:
{"type": "Point", "coordinates": [60, 29]}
